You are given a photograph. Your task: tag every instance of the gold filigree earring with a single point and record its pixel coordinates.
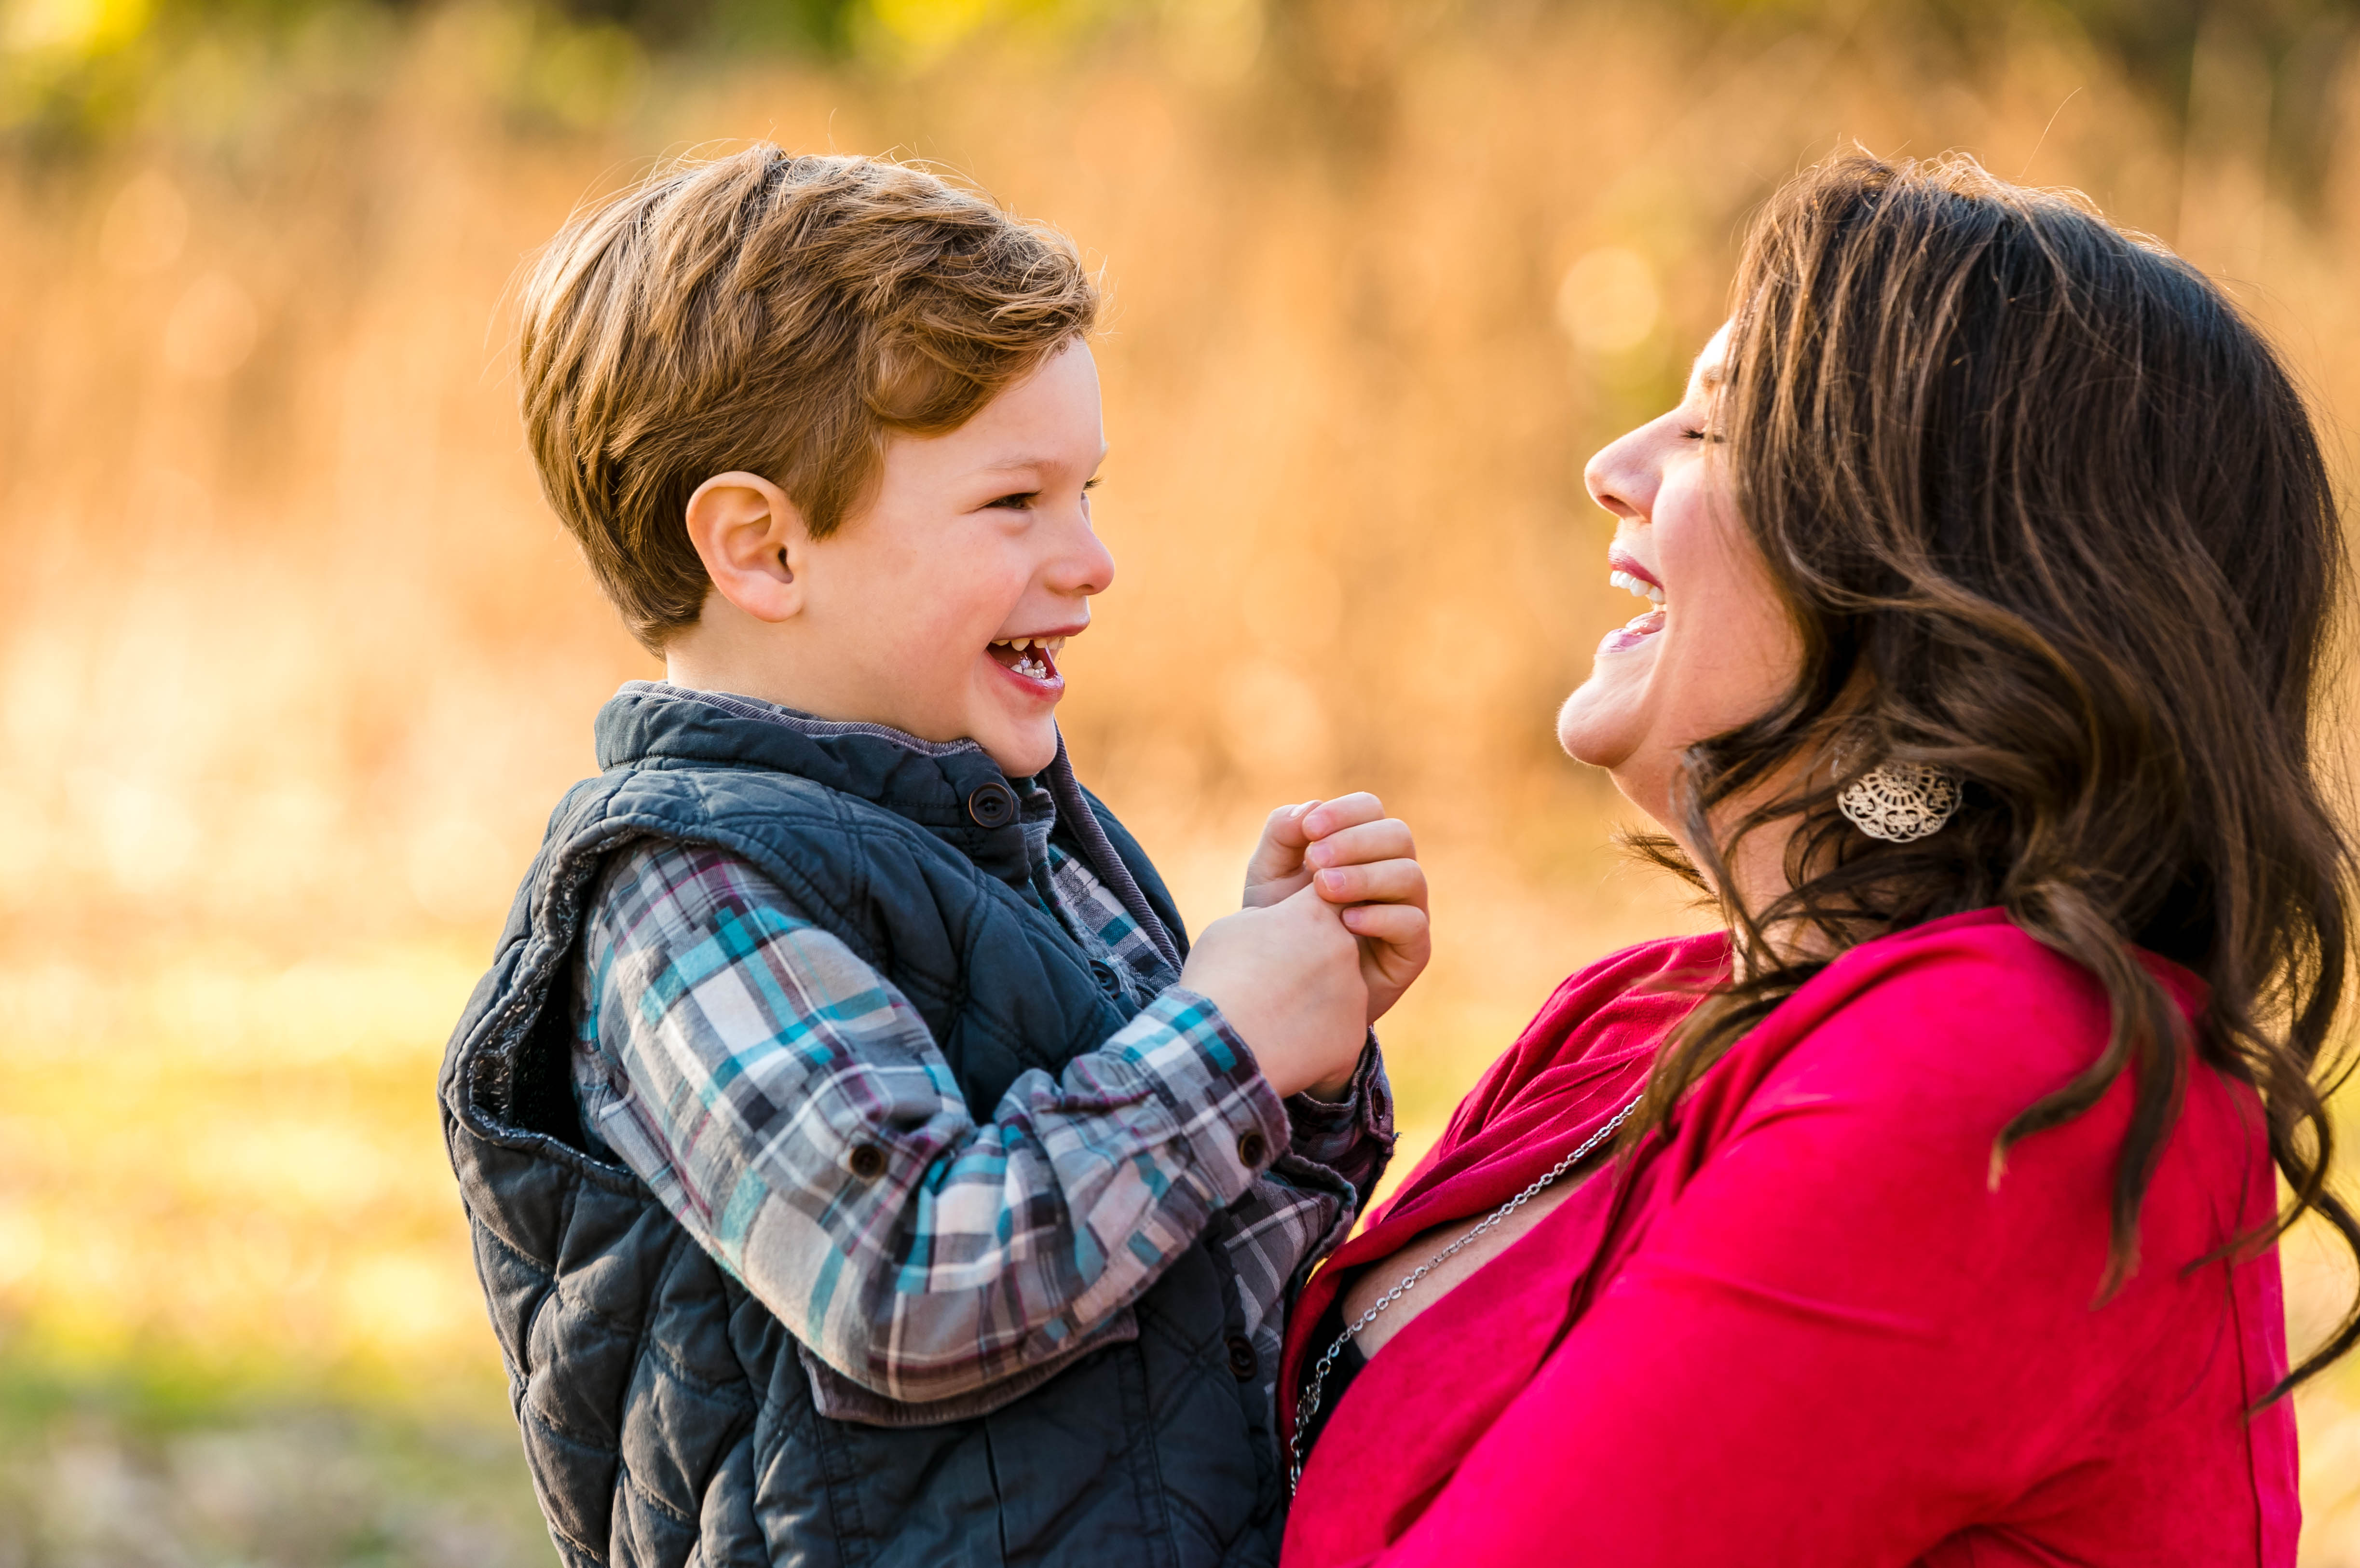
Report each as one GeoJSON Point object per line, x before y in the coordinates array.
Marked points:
{"type": "Point", "coordinates": [1902, 802]}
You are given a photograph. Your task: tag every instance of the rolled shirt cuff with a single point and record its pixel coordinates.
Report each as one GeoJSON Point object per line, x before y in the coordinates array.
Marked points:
{"type": "Point", "coordinates": [1235, 1122]}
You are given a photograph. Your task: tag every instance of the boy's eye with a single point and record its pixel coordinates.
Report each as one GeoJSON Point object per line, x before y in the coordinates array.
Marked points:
{"type": "Point", "coordinates": [1019, 502]}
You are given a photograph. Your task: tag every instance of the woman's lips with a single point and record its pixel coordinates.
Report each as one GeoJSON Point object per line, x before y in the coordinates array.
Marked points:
{"type": "Point", "coordinates": [1623, 560]}
{"type": "Point", "coordinates": [1626, 572]}
{"type": "Point", "coordinates": [1632, 633]}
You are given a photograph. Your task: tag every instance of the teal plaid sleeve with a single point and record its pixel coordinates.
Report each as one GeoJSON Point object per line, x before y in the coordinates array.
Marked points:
{"type": "Point", "coordinates": [789, 1108]}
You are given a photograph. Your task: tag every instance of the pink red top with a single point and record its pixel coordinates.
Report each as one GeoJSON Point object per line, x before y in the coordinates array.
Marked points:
{"type": "Point", "coordinates": [1804, 1327]}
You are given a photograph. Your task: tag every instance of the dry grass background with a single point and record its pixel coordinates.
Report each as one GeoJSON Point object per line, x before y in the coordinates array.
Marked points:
{"type": "Point", "coordinates": [293, 661]}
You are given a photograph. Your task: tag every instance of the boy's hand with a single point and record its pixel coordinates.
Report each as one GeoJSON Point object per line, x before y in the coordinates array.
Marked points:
{"type": "Point", "coordinates": [1355, 855]}
{"type": "Point", "coordinates": [1288, 978]}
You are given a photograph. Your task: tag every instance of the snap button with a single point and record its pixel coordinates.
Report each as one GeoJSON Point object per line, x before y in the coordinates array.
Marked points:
{"type": "Point", "coordinates": [868, 1161]}
{"type": "Point", "coordinates": [992, 805]}
{"type": "Point", "coordinates": [1242, 1360]}
{"type": "Point", "coordinates": [1252, 1148]}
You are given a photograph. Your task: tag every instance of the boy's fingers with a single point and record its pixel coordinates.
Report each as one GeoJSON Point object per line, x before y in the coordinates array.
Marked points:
{"type": "Point", "coordinates": [1385, 882]}
{"type": "Point", "coordinates": [1284, 826]}
{"type": "Point", "coordinates": [1307, 903]}
{"type": "Point", "coordinates": [1278, 858]}
{"type": "Point", "coordinates": [1396, 925]}
{"type": "Point", "coordinates": [1344, 812]}
{"type": "Point", "coordinates": [1388, 839]}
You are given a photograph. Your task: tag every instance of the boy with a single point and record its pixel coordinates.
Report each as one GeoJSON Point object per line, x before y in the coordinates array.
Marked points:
{"type": "Point", "coordinates": [860, 1169]}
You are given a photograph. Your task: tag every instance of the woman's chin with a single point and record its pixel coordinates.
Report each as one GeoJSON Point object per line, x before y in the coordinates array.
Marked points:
{"type": "Point", "coordinates": [1599, 725]}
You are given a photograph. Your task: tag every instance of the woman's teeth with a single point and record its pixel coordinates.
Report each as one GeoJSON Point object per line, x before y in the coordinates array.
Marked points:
{"type": "Point", "coordinates": [1644, 624]}
{"type": "Point", "coordinates": [1639, 585]}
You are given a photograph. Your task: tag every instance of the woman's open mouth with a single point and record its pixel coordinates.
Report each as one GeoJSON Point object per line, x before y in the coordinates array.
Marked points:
{"type": "Point", "coordinates": [1629, 574]}
{"type": "Point", "coordinates": [1032, 660]}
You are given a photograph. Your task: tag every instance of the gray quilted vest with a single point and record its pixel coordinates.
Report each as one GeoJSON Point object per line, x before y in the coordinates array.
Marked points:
{"type": "Point", "coordinates": [668, 1416]}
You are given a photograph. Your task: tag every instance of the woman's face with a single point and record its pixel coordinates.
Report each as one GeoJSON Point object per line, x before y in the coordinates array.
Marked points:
{"type": "Point", "coordinates": [1714, 649]}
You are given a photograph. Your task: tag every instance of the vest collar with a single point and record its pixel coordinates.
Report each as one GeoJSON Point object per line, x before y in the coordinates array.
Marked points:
{"type": "Point", "coordinates": [953, 788]}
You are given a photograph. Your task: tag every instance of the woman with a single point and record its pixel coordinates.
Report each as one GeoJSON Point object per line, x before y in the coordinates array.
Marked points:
{"type": "Point", "coordinates": [1927, 1215]}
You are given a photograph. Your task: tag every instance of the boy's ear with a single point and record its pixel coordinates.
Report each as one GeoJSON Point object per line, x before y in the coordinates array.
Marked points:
{"type": "Point", "coordinates": [753, 544]}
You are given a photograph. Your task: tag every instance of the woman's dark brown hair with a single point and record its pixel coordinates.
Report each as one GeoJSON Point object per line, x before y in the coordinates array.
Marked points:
{"type": "Point", "coordinates": [2046, 509]}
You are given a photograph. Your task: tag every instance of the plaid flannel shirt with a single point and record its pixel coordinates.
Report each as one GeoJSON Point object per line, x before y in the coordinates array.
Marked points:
{"type": "Point", "coordinates": [788, 1106]}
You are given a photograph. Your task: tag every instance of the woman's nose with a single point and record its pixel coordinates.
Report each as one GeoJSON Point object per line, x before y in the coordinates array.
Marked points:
{"type": "Point", "coordinates": [1621, 476]}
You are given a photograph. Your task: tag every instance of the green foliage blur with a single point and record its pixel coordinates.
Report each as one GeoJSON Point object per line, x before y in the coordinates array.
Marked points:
{"type": "Point", "coordinates": [77, 73]}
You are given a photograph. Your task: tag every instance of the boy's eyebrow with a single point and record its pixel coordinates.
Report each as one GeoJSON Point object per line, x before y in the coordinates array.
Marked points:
{"type": "Point", "coordinates": [1019, 465]}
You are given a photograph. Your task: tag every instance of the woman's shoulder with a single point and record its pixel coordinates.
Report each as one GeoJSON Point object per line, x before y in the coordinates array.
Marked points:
{"type": "Point", "coordinates": [1982, 954]}
{"type": "Point", "coordinates": [1969, 1012]}
{"type": "Point", "coordinates": [1970, 970]}
{"type": "Point", "coordinates": [1883, 1087]}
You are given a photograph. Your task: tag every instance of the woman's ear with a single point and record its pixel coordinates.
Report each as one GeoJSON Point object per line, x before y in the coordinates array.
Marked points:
{"type": "Point", "coordinates": [752, 541]}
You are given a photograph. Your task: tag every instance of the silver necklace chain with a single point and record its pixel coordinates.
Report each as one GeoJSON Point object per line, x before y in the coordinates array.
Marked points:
{"type": "Point", "coordinates": [1307, 1410]}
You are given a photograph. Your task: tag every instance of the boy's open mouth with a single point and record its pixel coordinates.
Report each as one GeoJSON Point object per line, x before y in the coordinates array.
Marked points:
{"type": "Point", "coordinates": [1035, 658]}
{"type": "Point", "coordinates": [1628, 573]}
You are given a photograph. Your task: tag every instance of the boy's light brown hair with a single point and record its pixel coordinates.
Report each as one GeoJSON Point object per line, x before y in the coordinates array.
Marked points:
{"type": "Point", "coordinates": [776, 314]}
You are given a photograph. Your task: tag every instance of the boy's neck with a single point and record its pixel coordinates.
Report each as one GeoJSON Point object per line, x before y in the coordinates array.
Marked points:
{"type": "Point", "coordinates": [715, 656]}
{"type": "Point", "coordinates": [742, 684]}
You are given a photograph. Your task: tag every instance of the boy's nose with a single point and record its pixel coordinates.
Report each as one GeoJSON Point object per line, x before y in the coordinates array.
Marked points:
{"type": "Point", "coordinates": [1085, 566]}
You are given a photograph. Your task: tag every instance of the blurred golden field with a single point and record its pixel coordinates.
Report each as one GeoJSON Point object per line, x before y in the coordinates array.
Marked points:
{"type": "Point", "coordinates": [295, 662]}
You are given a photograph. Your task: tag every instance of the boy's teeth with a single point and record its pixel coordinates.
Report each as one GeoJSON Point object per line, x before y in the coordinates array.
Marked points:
{"type": "Point", "coordinates": [1033, 654]}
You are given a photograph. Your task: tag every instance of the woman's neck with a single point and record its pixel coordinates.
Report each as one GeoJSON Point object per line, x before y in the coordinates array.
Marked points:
{"type": "Point", "coordinates": [1756, 878]}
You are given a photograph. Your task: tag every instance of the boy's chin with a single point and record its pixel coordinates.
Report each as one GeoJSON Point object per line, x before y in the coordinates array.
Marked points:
{"type": "Point", "coordinates": [1021, 750]}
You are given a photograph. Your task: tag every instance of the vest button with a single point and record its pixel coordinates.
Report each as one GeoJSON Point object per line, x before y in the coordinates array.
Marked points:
{"type": "Point", "coordinates": [1243, 1361]}
{"type": "Point", "coordinates": [992, 805]}
{"type": "Point", "coordinates": [1253, 1148]}
{"type": "Point", "coordinates": [868, 1161]}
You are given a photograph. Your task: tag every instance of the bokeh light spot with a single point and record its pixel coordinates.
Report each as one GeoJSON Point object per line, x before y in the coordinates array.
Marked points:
{"type": "Point", "coordinates": [146, 228]}
{"type": "Point", "coordinates": [1607, 302]}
